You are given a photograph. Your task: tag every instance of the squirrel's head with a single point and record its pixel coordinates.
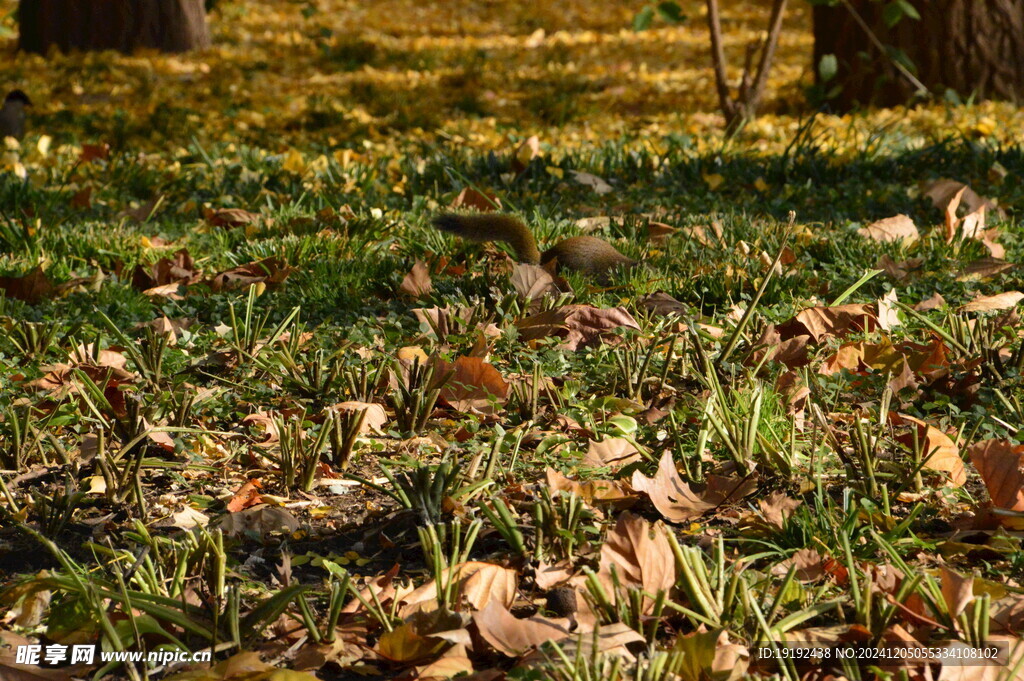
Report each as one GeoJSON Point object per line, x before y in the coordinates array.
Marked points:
{"type": "Point", "coordinates": [17, 96]}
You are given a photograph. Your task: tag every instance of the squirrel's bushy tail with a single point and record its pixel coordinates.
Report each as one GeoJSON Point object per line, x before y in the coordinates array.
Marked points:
{"type": "Point", "coordinates": [492, 227]}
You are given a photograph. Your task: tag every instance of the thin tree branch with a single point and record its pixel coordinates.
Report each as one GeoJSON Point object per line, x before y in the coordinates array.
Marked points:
{"type": "Point", "coordinates": [718, 60]}
{"type": "Point", "coordinates": [921, 89]}
{"type": "Point", "coordinates": [767, 56]}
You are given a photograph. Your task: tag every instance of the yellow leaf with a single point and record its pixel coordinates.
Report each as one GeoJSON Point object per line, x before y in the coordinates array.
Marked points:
{"type": "Point", "coordinates": [760, 185]}
{"type": "Point", "coordinates": [294, 163]}
{"type": "Point", "coordinates": [43, 145]}
{"type": "Point", "coordinates": [714, 180]}
{"type": "Point", "coordinates": [556, 171]}
{"type": "Point", "coordinates": [986, 126]}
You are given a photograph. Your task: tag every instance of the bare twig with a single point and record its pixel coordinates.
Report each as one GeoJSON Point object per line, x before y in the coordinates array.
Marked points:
{"type": "Point", "coordinates": [725, 100]}
{"type": "Point", "coordinates": [742, 107]}
{"type": "Point", "coordinates": [768, 55]}
{"type": "Point", "coordinates": [921, 89]}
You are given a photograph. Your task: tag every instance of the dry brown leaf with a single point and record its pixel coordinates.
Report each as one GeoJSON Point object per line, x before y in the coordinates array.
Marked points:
{"type": "Point", "coordinates": [374, 419]}
{"type": "Point", "coordinates": [82, 198]}
{"type": "Point", "coordinates": [271, 271]}
{"type": "Point", "coordinates": [943, 454]}
{"type": "Point", "coordinates": [93, 152]}
{"type": "Point", "coordinates": [898, 270]}
{"type": "Point", "coordinates": [678, 502]}
{"type": "Point", "coordinates": [935, 302]}
{"type": "Point", "coordinates": [711, 655]}
{"type": "Point", "coordinates": [452, 663]}
{"type": "Point", "coordinates": [247, 496]}
{"type": "Point", "coordinates": [579, 325]}
{"type": "Point", "coordinates": [821, 322]}
{"type": "Point", "coordinates": [169, 328]}
{"type": "Point", "coordinates": [984, 268]}
{"type": "Point", "coordinates": [417, 283]}
{"type": "Point", "coordinates": [229, 217]}
{"type": "Point", "coordinates": [177, 270]}
{"type": "Point", "coordinates": [957, 591]}
{"type": "Point", "coordinates": [532, 282]}
{"type": "Point", "coordinates": [168, 291]}
{"type": "Point", "coordinates": [266, 421]}
{"type": "Point", "coordinates": [524, 153]}
{"type": "Point", "coordinates": [511, 636]}
{"type": "Point", "coordinates": [896, 228]}
{"type": "Point", "coordinates": [1001, 466]}
{"type": "Point", "coordinates": [31, 287]}
{"type": "Point", "coordinates": [942, 192]}
{"type": "Point", "coordinates": [612, 492]}
{"type": "Point", "coordinates": [474, 386]}
{"type": "Point", "coordinates": [777, 508]}
{"type": "Point", "coordinates": [475, 583]}
{"type": "Point", "coordinates": [614, 452]}
{"type": "Point", "coordinates": [810, 565]}
{"type": "Point", "coordinates": [416, 639]}
{"type": "Point", "coordinates": [670, 495]}
{"type": "Point", "coordinates": [640, 555]}
{"type": "Point", "coordinates": [549, 576]}
{"type": "Point", "coordinates": [1000, 301]}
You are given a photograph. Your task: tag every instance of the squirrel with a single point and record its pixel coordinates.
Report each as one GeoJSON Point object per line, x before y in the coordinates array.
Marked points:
{"type": "Point", "coordinates": [586, 254]}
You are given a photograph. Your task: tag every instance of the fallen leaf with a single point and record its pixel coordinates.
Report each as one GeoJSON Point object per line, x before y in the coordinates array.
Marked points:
{"type": "Point", "coordinates": [247, 496]}
{"type": "Point", "coordinates": [580, 325]}
{"type": "Point", "coordinates": [474, 386]}
{"type": "Point", "coordinates": [810, 565]}
{"type": "Point", "coordinates": [374, 415]}
{"type": "Point", "coordinates": [230, 217]}
{"type": "Point", "coordinates": [678, 502]}
{"type": "Point", "coordinates": [1001, 466]}
{"type": "Point", "coordinates": [511, 636]}
{"type": "Point", "coordinates": [897, 228]}
{"type": "Point", "coordinates": [640, 555]}
{"type": "Point", "coordinates": [943, 454]}
{"type": "Point", "coordinates": [593, 181]}
{"type": "Point", "coordinates": [935, 302]}
{"type": "Point", "coordinates": [777, 508]}
{"type": "Point", "coordinates": [985, 267]}
{"type": "Point", "coordinates": [822, 322]}
{"type": "Point", "coordinates": [1000, 301]}
{"type": "Point", "coordinates": [471, 198]}
{"type": "Point", "coordinates": [957, 591]}
{"type": "Point", "coordinates": [524, 153]}
{"type": "Point", "coordinates": [271, 271]}
{"type": "Point", "coordinates": [533, 282]}
{"type": "Point", "coordinates": [614, 452]}
{"type": "Point", "coordinates": [417, 283]}
{"type": "Point", "coordinates": [474, 582]}
{"type": "Point", "coordinates": [414, 640]}
{"type": "Point", "coordinates": [31, 287]}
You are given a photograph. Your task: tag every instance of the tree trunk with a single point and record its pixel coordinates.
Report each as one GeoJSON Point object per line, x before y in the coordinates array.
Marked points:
{"type": "Point", "coordinates": [124, 25]}
{"type": "Point", "coordinates": [974, 47]}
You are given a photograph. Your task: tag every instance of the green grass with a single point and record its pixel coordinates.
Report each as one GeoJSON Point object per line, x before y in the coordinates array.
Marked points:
{"type": "Point", "coordinates": [345, 287]}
